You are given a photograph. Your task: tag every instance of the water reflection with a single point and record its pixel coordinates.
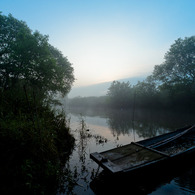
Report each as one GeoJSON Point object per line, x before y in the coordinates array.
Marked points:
{"type": "Point", "coordinates": [146, 123]}
{"type": "Point", "coordinates": [187, 180]}
{"type": "Point", "coordinates": [101, 129]}
{"type": "Point", "coordinates": [120, 122]}
{"type": "Point", "coordinates": [80, 170]}
{"type": "Point", "coordinates": [173, 180]}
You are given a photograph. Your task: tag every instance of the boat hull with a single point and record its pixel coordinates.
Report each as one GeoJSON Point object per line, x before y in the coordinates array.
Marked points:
{"type": "Point", "coordinates": [148, 154]}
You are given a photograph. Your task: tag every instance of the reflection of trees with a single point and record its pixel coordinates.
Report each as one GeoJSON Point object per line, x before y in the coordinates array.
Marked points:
{"type": "Point", "coordinates": [147, 123]}
{"type": "Point", "coordinates": [147, 130]}
{"type": "Point", "coordinates": [120, 121]}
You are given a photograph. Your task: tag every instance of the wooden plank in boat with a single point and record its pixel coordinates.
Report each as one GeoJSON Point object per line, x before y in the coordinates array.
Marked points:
{"type": "Point", "coordinates": [129, 156]}
{"type": "Point", "coordinates": [105, 163]}
{"type": "Point", "coordinates": [140, 155]}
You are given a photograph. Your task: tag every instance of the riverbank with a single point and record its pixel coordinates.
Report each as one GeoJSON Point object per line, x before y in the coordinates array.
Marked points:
{"type": "Point", "coordinates": [34, 149]}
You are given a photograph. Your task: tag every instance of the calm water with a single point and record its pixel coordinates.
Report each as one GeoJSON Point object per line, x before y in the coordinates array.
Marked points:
{"type": "Point", "coordinates": [106, 129]}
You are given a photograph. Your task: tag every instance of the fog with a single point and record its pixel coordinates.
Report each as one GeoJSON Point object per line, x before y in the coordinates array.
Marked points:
{"type": "Point", "coordinates": [99, 89]}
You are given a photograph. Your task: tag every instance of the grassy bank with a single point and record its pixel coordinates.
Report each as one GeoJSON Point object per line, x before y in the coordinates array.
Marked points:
{"type": "Point", "coordinates": [33, 148]}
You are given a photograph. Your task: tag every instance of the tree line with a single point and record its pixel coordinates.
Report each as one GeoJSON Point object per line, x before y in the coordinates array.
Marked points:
{"type": "Point", "coordinates": [34, 140]}
{"type": "Point", "coordinates": [170, 86]}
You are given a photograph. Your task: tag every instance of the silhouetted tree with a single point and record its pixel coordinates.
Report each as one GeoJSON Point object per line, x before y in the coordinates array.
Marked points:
{"type": "Point", "coordinates": [120, 94]}
{"type": "Point", "coordinates": [27, 59]}
{"type": "Point", "coordinates": [176, 76]}
{"type": "Point", "coordinates": [179, 65]}
{"type": "Point", "coordinates": [34, 139]}
{"type": "Point", "coordinates": [172, 83]}
{"type": "Point", "coordinates": [146, 93]}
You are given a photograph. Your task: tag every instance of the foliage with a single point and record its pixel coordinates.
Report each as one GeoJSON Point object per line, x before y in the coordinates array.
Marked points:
{"type": "Point", "coordinates": [119, 94]}
{"type": "Point", "coordinates": [171, 85]}
{"type": "Point", "coordinates": [27, 59]}
{"type": "Point", "coordinates": [176, 76]}
{"type": "Point", "coordinates": [146, 94]}
{"type": "Point", "coordinates": [35, 141]}
{"type": "Point", "coordinates": [179, 65]}
{"type": "Point", "coordinates": [35, 145]}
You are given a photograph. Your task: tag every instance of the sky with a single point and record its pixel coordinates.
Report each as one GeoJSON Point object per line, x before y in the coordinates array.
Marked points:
{"type": "Point", "coordinates": [108, 40]}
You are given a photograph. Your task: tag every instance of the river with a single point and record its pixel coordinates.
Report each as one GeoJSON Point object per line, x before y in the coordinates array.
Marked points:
{"type": "Point", "coordinates": [97, 130]}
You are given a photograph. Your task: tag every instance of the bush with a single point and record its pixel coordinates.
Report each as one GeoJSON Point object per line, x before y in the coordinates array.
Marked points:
{"type": "Point", "coordinates": [33, 150]}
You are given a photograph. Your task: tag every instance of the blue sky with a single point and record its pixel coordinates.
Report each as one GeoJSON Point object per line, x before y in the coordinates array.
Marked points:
{"type": "Point", "coordinates": [107, 40]}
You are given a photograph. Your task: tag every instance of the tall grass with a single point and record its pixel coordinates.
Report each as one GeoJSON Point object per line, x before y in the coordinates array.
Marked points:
{"type": "Point", "coordinates": [35, 143]}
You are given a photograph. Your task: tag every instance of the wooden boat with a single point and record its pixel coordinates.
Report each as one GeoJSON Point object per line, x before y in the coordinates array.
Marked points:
{"type": "Point", "coordinates": [152, 152]}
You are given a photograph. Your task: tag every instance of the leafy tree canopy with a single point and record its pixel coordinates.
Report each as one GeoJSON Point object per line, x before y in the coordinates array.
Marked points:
{"type": "Point", "coordinates": [27, 59]}
{"type": "Point", "coordinates": [172, 83]}
{"type": "Point", "coordinates": [35, 138]}
{"type": "Point", "coordinates": [178, 68]}
{"type": "Point", "coordinates": [119, 93]}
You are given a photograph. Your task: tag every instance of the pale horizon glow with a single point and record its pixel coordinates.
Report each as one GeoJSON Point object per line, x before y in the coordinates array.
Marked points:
{"type": "Point", "coordinates": [108, 40]}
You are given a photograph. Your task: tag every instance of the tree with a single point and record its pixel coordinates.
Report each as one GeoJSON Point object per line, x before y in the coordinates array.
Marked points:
{"type": "Point", "coordinates": [28, 60]}
{"type": "Point", "coordinates": [34, 136]}
{"type": "Point", "coordinates": [176, 76]}
{"type": "Point", "coordinates": [120, 94]}
{"type": "Point", "coordinates": [179, 65]}
{"type": "Point", "coordinates": [146, 93]}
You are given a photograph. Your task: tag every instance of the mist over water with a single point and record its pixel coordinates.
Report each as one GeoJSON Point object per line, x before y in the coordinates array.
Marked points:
{"type": "Point", "coordinates": [100, 89]}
